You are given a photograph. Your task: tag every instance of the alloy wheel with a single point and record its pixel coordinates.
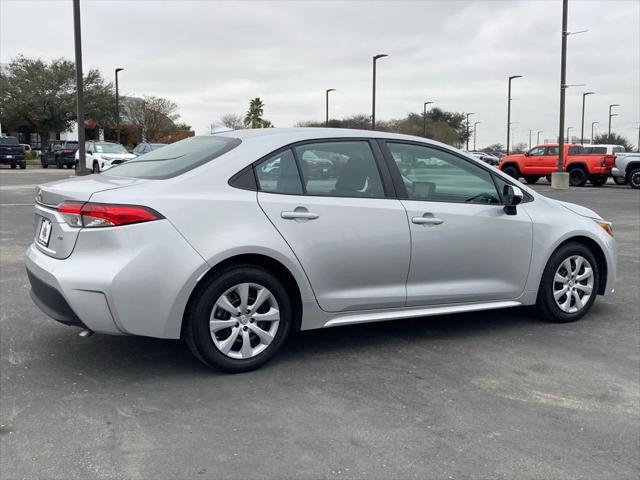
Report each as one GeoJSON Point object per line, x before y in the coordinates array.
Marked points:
{"type": "Point", "coordinates": [244, 320]}
{"type": "Point", "coordinates": [573, 284]}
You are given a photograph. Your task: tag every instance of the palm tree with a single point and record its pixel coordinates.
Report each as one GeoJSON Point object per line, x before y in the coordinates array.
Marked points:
{"type": "Point", "coordinates": [253, 117]}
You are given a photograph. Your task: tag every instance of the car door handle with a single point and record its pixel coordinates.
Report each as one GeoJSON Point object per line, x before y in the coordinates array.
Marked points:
{"type": "Point", "coordinates": [299, 214]}
{"type": "Point", "coordinates": [427, 219]}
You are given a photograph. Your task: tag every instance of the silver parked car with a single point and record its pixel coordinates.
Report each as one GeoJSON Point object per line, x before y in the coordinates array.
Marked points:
{"type": "Point", "coordinates": [206, 240]}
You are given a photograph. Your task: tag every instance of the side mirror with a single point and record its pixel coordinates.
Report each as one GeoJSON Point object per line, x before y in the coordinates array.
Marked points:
{"type": "Point", "coordinates": [90, 152]}
{"type": "Point", "coordinates": [511, 196]}
{"type": "Point", "coordinates": [526, 154]}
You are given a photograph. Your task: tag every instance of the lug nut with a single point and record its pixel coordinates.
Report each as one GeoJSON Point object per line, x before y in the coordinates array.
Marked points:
{"type": "Point", "coordinates": [244, 328]}
{"type": "Point", "coordinates": [251, 320]}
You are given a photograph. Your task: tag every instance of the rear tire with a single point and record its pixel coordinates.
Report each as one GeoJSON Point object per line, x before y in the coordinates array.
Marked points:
{"type": "Point", "coordinates": [59, 164]}
{"type": "Point", "coordinates": [210, 347]}
{"type": "Point", "coordinates": [577, 177]}
{"type": "Point", "coordinates": [45, 165]}
{"type": "Point", "coordinates": [512, 171]}
{"type": "Point", "coordinates": [634, 178]}
{"type": "Point", "coordinates": [598, 180]}
{"type": "Point", "coordinates": [577, 284]}
{"type": "Point", "coordinates": [13, 166]}
{"type": "Point", "coordinates": [531, 179]}
{"type": "Point", "coordinates": [23, 166]}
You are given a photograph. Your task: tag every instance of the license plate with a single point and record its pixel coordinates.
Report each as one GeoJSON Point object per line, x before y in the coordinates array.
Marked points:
{"type": "Point", "coordinates": [9, 156]}
{"type": "Point", "coordinates": [45, 232]}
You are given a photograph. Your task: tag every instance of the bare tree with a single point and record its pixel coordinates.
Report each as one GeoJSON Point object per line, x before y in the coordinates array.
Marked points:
{"type": "Point", "coordinates": [154, 116]}
{"type": "Point", "coordinates": [232, 121]}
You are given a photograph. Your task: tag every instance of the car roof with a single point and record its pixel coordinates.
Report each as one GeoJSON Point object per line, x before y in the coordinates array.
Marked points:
{"type": "Point", "coordinates": [284, 136]}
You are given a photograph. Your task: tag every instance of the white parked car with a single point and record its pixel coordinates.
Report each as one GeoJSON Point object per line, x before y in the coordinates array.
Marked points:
{"type": "Point", "coordinates": [101, 156]}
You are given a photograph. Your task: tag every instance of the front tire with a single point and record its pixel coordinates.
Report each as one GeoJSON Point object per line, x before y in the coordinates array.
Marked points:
{"type": "Point", "coordinates": [531, 179]}
{"type": "Point", "coordinates": [569, 284]}
{"type": "Point", "coordinates": [239, 319]}
{"type": "Point", "coordinates": [598, 180]}
{"type": "Point", "coordinates": [96, 167]}
{"type": "Point", "coordinates": [512, 172]}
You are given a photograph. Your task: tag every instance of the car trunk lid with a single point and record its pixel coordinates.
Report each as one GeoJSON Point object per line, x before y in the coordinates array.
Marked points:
{"type": "Point", "coordinates": [53, 235]}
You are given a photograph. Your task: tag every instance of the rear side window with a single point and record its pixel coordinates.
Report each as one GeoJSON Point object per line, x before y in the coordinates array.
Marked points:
{"type": "Point", "coordinates": [279, 174]}
{"type": "Point", "coordinates": [175, 159]}
{"type": "Point", "coordinates": [577, 150]}
{"type": "Point", "coordinates": [340, 169]}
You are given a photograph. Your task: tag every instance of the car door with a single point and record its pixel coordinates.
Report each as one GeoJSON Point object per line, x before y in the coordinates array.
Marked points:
{"type": "Point", "coordinates": [465, 247]}
{"type": "Point", "coordinates": [533, 160]}
{"type": "Point", "coordinates": [89, 149]}
{"type": "Point", "coordinates": [549, 160]}
{"type": "Point", "coordinates": [345, 226]}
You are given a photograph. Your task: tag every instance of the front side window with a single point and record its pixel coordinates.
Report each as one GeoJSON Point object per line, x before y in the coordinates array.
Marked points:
{"type": "Point", "coordinates": [340, 169]}
{"type": "Point", "coordinates": [535, 152]}
{"type": "Point", "coordinates": [434, 175]}
{"type": "Point", "coordinates": [176, 158]}
{"type": "Point", "coordinates": [279, 174]}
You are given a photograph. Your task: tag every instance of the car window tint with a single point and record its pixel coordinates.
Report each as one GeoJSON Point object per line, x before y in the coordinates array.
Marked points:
{"type": "Point", "coordinates": [340, 169]}
{"type": "Point", "coordinates": [279, 174]}
{"type": "Point", "coordinates": [434, 175]}
{"type": "Point", "coordinates": [176, 158]}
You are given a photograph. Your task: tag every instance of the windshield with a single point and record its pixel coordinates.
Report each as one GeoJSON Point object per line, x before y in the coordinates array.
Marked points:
{"type": "Point", "coordinates": [110, 148]}
{"type": "Point", "coordinates": [174, 159]}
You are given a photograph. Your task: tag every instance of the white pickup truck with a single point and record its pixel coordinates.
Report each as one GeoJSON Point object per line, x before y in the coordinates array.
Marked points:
{"type": "Point", "coordinates": [627, 169]}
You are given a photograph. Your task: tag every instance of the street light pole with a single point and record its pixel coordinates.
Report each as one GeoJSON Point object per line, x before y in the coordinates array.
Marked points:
{"type": "Point", "coordinates": [474, 134]}
{"type": "Point", "coordinates": [326, 123]}
{"type": "Point", "coordinates": [468, 114]}
{"type": "Point", "coordinates": [568, 128]}
{"type": "Point", "coordinates": [81, 168]}
{"type": "Point", "coordinates": [584, 96]}
{"type": "Point", "coordinates": [592, 125]}
{"type": "Point", "coordinates": [612, 115]}
{"type": "Point", "coordinates": [118, 105]}
{"type": "Point", "coordinates": [373, 101]}
{"type": "Point", "coordinates": [424, 118]}
{"type": "Point", "coordinates": [509, 110]}
{"type": "Point", "coordinates": [530, 132]}
{"type": "Point", "coordinates": [538, 137]}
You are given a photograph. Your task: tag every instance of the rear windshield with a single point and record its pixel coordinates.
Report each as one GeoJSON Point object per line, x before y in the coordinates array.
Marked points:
{"type": "Point", "coordinates": [175, 159]}
{"type": "Point", "coordinates": [597, 150]}
{"type": "Point", "coordinates": [9, 141]}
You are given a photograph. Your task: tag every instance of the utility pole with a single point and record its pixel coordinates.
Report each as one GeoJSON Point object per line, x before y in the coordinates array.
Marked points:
{"type": "Point", "coordinates": [118, 106]}
{"type": "Point", "coordinates": [568, 139]}
{"type": "Point", "coordinates": [560, 178]}
{"type": "Point", "coordinates": [530, 132]}
{"type": "Point", "coordinates": [538, 137]}
{"type": "Point", "coordinates": [612, 115]}
{"type": "Point", "coordinates": [326, 123]}
{"type": "Point", "coordinates": [584, 96]}
{"type": "Point", "coordinates": [468, 114]}
{"type": "Point", "coordinates": [592, 125]}
{"type": "Point", "coordinates": [424, 118]}
{"type": "Point", "coordinates": [474, 134]}
{"type": "Point", "coordinates": [81, 168]}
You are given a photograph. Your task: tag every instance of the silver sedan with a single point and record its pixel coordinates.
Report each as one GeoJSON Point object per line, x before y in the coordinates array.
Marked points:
{"type": "Point", "coordinates": [232, 241]}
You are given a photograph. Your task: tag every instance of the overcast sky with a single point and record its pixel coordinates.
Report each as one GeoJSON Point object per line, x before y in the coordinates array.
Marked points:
{"type": "Point", "coordinates": [211, 57]}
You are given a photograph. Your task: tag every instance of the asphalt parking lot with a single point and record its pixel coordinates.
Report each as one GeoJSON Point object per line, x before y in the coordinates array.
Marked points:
{"type": "Point", "coordinates": [484, 395]}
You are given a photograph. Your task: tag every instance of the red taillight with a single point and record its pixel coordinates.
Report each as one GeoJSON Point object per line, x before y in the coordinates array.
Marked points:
{"type": "Point", "coordinates": [67, 151]}
{"type": "Point", "coordinates": [91, 215]}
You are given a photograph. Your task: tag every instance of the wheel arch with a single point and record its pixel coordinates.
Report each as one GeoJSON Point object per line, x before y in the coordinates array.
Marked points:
{"type": "Point", "coordinates": [269, 263]}
{"type": "Point", "coordinates": [580, 165]}
{"type": "Point", "coordinates": [630, 167]}
{"type": "Point", "coordinates": [510, 164]}
{"type": "Point", "coordinates": [598, 253]}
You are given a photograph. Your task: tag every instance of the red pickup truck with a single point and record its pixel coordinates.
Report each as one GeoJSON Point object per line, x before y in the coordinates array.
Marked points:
{"type": "Point", "coordinates": [542, 160]}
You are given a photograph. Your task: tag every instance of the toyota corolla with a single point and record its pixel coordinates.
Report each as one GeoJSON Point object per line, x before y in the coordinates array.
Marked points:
{"type": "Point", "coordinates": [206, 241]}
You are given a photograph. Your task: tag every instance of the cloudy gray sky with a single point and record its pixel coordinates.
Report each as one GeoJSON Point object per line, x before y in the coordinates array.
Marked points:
{"type": "Point", "coordinates": [211, 57]}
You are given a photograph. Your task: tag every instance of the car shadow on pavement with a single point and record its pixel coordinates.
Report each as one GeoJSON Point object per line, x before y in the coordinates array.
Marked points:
{"type": "Point", "coordinates": [105, 357]}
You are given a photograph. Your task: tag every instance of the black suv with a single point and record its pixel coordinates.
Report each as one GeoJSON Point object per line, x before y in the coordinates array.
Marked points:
{"type": "Point", "coordinates": [12, 153]}
{"type": "Point", "coordinates": [60, 153]}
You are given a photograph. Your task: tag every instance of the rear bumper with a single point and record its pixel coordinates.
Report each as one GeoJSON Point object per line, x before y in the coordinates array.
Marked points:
{"type": "Point", "coordinates": [132, 280]}
{"type": "Point", "coordinates": [48, 299]}
{"type": "Point", "coordinates": [13, 159]}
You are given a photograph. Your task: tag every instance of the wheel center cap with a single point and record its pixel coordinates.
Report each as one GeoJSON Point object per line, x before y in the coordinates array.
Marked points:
{"type": "Point", "coordinates": [571, 283]}
{"type": "Point", "coordinates": [243, 319]}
